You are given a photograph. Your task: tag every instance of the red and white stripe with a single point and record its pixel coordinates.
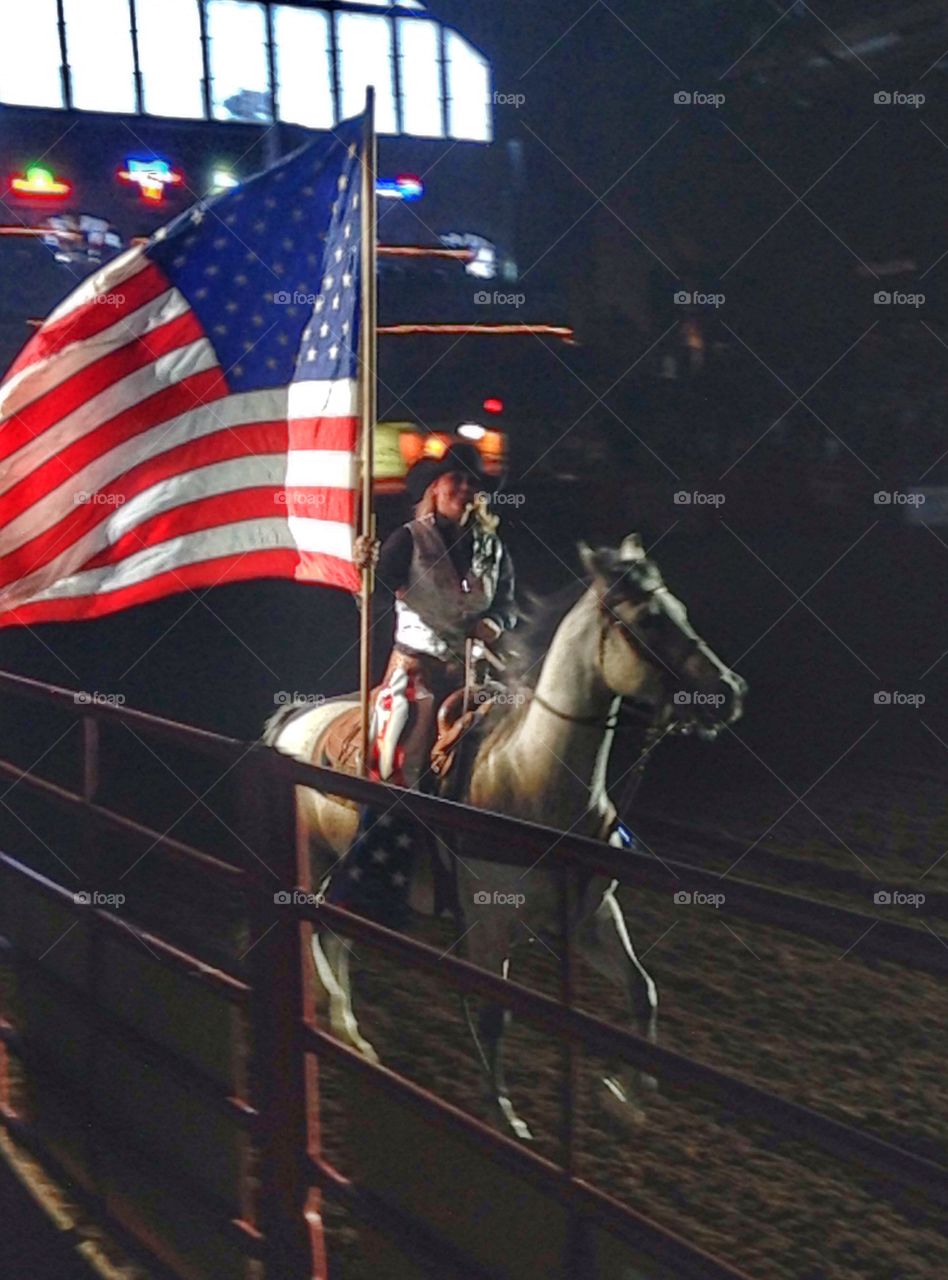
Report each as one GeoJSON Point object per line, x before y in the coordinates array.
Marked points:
{"type": "Point", "coordinates": [129, 470]}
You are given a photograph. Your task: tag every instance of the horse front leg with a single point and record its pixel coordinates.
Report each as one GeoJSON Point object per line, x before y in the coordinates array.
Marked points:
{"type": "Point", "coordinates": [604, 940]}
{"type": "Point", "coordinates": [331, 957]}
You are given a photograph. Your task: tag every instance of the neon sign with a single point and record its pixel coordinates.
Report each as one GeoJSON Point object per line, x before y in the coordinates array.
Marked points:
{"type": "Point", "coordinates": [405, 187]}
{"type": "Point", "coordinates": [39, 182]}
{"type": "Point", "coordinates": [151, 177]}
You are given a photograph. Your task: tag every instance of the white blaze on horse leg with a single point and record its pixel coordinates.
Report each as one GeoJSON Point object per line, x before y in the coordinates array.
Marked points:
{"type": "Point", "coordinates": [342, 1021]}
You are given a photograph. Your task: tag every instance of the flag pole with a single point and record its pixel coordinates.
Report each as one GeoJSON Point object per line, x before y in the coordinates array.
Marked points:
{"type": "Point", "coordinates": [368, 363]}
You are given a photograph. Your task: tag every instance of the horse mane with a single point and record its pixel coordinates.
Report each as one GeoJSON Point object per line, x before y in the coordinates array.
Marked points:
{"type": "Point", "coordinates": [531, 640]}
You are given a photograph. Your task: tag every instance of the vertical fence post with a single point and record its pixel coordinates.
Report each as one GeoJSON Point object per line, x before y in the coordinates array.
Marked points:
{"type": "Point", "coordinates": [578, 1260]}
{"type": "Point", "coordinates": [284, 1087]}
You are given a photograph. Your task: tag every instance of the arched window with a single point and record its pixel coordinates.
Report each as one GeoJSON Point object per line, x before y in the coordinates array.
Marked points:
{"type": "Point", "coordinates": [101, 61]}
{"type": "Point", "coordinates": [240, 72]}
{"type": "Point", "coordinates": [365, 57]}
{"type": "Point", "coordinates": [30, 56]}
{"type": "Point", "coordinates": [304, 66]}
{"type": "Point", "coordinates": [170, 57]}
{"type": "Point", "coordinates": [469, 114]}
{"type": "Point", "coordinates": [419, 52]}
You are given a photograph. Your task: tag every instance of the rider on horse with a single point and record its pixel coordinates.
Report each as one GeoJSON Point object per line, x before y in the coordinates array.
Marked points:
{"type": "Point", "coordinates": [452, 580]}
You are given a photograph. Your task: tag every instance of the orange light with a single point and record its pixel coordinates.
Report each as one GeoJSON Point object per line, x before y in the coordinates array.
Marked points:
{"type": "Point", "coordinates": [39, 182]}
{"type": "Point", "coordinates": [419, 251]}
{"type": "Point", "coordinates": [549, 330]}
{"type": "Point", "coordinates": [436, 446]}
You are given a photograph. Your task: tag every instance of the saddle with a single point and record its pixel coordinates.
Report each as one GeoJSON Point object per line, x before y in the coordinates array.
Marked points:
{"type": "Point", "coordinates": [340, 746]}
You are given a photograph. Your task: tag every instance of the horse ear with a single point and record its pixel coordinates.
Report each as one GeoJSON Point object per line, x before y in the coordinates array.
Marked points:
{"type": "Point", "coordinates": [595, 563]}
{"type": "Point", "coordinates": [632, 548]}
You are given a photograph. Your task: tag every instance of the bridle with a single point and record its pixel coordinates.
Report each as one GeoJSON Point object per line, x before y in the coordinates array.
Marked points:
{"type": "Point", "coordinates": [610, 621]}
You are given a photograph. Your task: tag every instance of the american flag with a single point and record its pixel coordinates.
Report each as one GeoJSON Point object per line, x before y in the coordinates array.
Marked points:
{"type": "Point", "coordinates": [189, 416]}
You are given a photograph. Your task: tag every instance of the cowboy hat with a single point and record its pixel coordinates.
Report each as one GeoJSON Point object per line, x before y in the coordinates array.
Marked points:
{"type": "Point", "coordinates": [458, 457]}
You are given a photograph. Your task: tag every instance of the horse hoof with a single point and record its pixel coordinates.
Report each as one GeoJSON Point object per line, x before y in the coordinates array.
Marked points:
{"type": "Point", "coordinates": [520, 1128]}
{"type": "Point", "coordinates": [354, 1040]}
{"type": "Point", "coordinates": [619, 1106]}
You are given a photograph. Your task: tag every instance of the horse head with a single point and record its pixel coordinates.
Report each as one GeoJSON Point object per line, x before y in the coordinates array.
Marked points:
{"type": "Point", "coordinates": [649, 650]}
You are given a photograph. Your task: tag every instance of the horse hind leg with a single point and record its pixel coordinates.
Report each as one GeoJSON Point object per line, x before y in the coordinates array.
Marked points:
{"type": "Point", "coordinates": [487, 1031]}
{"type": "Point", "coordinates": [331, 957]}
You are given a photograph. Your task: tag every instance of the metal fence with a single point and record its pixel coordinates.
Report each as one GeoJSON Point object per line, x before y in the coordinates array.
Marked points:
{"type": "Point", "coordinates": [189, 1120]}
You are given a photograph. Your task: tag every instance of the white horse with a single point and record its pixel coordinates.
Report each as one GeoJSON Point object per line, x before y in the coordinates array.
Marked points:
{"type": "Point", "coordinates": [625, 636]}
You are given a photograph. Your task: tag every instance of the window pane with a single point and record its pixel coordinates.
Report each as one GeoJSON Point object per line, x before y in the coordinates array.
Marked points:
{"type": "Point", "coordinates": [365, 57]}
{"type": "Point", "coordinates": [304, 92]}
{"type": "Point", "coordinates": [420, 69]}
{"type": "Point", "coordinates": [169, 54]}
{"type": "Point", "coordinates": [30, 57]}
{"type": "Point", "coordinates": [240, 78]}
{"type": "Point", "coordinates": [99, 46]}
{"type": "Point", "coordinates": [469, 114]}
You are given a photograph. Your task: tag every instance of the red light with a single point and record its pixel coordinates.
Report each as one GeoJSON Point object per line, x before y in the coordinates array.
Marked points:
{"type": "Point", "coordinates": [493, 405]}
